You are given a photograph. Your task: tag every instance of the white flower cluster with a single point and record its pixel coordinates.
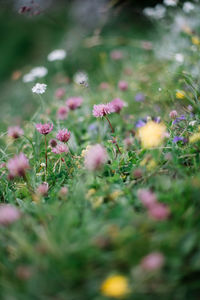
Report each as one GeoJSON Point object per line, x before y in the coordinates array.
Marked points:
{"type": "Point", "coordinates": [170, 2]}
{"type": "Point", "coordinates": [188, 7]}
{"type": "Point", "coordinates": [39, 88]}
{"type": "Point", "coordinates": [58, 54]}
{"type": "Point", "coordinates": [157, 12]}
{"type": "Point", "coordinates": [37, 72]}
{"type": "Point", "coordinates": [81, 78]}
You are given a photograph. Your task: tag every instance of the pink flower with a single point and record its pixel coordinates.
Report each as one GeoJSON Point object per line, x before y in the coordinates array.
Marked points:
{"type": "Point", "coordinates": [173, 114]}
{"type": "Point", "coordinates": [153, 261]}
{"type": "Point", "coordinates": [43, 189]}
{"type": "Point", "coordinates": [15, 132]}
{"type": "Point", "coordinates": [122, 85]}
{"type": "Point", "coordinates": [53, 143]}
{"type": "Point", "coordinates": [60, 148]}
{"type": "Point", "coordinates": [159, 211]}
{"type": "Point", "coordinates": [8, 214]}
{"type": "Point", "coordinates": [60, 92]}
{"type": "Point", "coordinates": [62, 112]}
{"type": "Point", "coordinates": [147, 197]}
{"type": "Point", "coordinates": [74, 102]}
{"type": "Point", "coordinates": [117, 105]}
{"type": "Point", "coordinates": [95, 157]}
{"type": "Point", "coordinates": [101, 110]}
{"type": "Point", "coordinates": [116, 54]}
{"type": "Point", "coordinates": [128, 142]}
{"type": "Point", "coordinates": [63, 191]}
{"type": "Point", "coordinates": [18, 165]}
{"type": "Point", "coordinates": [63, 135]}
{"type": "Point", "coordinates": [44, 128]}
{"type": "Point", "coordinates": [104, 86]}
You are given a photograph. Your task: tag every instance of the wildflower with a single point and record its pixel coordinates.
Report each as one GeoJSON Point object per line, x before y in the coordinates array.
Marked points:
{"type": "Point", "coordinates": [180, 94]}
{"type": "Point", "coordinates": [53, 143]}
{"type": "Point", "coordinates": [74, 102]}
{"type": "Point", "coordinates": [62, 112]}
{"type": "Point", "coordinates": [115, 286]}
{"type": "Point", "coordinates": [158, 12]}
{"type": "Point", "coordinates": [173, 114]}
{"type": "Point", "coordinates": [188, 7]}
{"type": "Point", "coordinates": [39, 88]}
{"type": "Point", "coordinates": [59, 93]}
{"type": "Point", "coordinates": [43, 189]}
{"type": "Point", "coordinates": [28, 78]}
{"type": "Point", "coordinates": [170, 2]}
{"type": "Point", "coordinates": [58, 54]}
{"type": "Point", "coordinates": [151, 134]}
{"type": "Point", "coordinates": [63, 135]}
{"type": "Point", "coordinates": [177, 139]}
{"type": "Point", "coordinates": [140, 123]}
{"type": "Point", "coordinates": [139, 97]}
{"type": "Point", "coordinates": [102, 110]}
{"type": "Point", "coordinates": [116, 55]}
{"type": "Point", "coordinates": [195, 40]}
{"type": "Point", "coordinates": [192, 123]}
{"type": "Point", "coordinates": [117, 105]}
{"type": "Point", "coordinates": [18, 165]}
{"type": "Point", "coordinates": [123, 85]}
{"type": "Point", "coordinates": [95, 157]}
{"type": "Point", "coordinates": [104, 86]}
{"type": "Point", "coordinates": [152, 261]}
{"type": "Point", "coordinates": [63, 192]}
{"type": "Point", "coordinates": [128, 142]}
{"type": "Point", "coordinates": [23, 272]}
{"type": "Point", "coordinates": [147, 197]}
{"type": "Point", "coordinates": [159, 212]}
{"type": "Point", "coordinates": [84, 151]}
{"type": "Point", "coordinates": [137, 173]}
{"type": "Point", "coordinates": [194, 138]}
{"type": "Point", "coordinates": [8, 214]}
{"type": "Point", "coordinates": [179, 57]}
{"type": "Point", "coordinates": [39, 72]}
{"type": "Point", "coordinates": [60, 148]}
{"type": "Point", "coordinates": [190, 108]}
{"type": "Point", "coordinates": [81, 78]}
{"type": "Point", "coordinates": [15, 132]}
{"type": "Point", "coordinates": [44, 128]}
{"type": "Point", "coordinates": [179, 119]}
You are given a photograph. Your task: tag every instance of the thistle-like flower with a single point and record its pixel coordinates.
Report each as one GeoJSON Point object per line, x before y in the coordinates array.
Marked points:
{"type": "Point", "coordinates": [18, 165]}
{"type": "Point", "coordinates": [63, 135]}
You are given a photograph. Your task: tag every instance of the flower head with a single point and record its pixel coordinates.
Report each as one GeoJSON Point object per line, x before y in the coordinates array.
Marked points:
{"type": "Point", "coordinates": [115, 286]}
{"type": "Point", "coordinates": [159, 212]}
{"type": "Point", "coordinates": [152, 261]}
{"type": "Point", "coordinates": [152, 134]}
{"type": "Point", "coordinates": [58, 54]}
{"type": "Point", "coordinates": [104, 85]}
{"type": "Point", "coordinates": [117, 105]}
{"type": "Point", "coordinates": [59, 93]}
{"type": "Point", "coordinates": [53, 143]}
{"type": "Point", "coordinates": [173, 114]}
{"type": "Point", "coordinates": [123, 85]}
{"type": "Point", "coordinates": [95, 157]}
{"type": "Point", "coordinates": [74, 102]}
{"type": "Point", "coordinates": [44, 128]}
{"type": "Point", "coordinates": [147, 197]}
{"type": "Point", "coordinates": [43, 189]}
{"type": "Point", "coordinates": [180, 94]}
{"type": "Point", "coordinates": [81, 78]}
{"type": "Point", "coordinates": [62, 112]}
{"type": "Point", "coordinates": [8, 214]}
{"type": "Point", "coordinates": [60, 148]}
{"type": "Point", "coordinates": [39, 88]}
{"type": "Point", "coordinates": [139, 97]}
{"type": "Point", "coordinates": [116, 55]}
{"type": "Point", "coordinates": [15, 132]}
{"type": "Point", "coordinates": [18, 165]}
{"type": "Point", "coordinates": [101, 110]}
{"type": "Point", "coordinates": [39, 72]}
{"type": "Point", "coordinates": [63, 135]}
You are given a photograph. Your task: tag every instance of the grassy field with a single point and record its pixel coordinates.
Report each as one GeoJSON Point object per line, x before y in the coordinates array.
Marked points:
{"type": "Point", "coordinates": [119, 220]}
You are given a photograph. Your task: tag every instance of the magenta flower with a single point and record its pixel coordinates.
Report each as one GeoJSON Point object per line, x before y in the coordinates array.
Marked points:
{"type": "Point", "coordinates": [123, 85]}
{"type": "Point", "coordinates": [101, 110]}
{"type": "Point", "coordinates": [159, 212]}
{"type": "Point", "coordinates": [53, 143]}
{"type": "Point", "coordinates": [60, 92]}
{"type": "Point", "coordinates": [104, 85]}
{"type": "Point", "coordinates": [173, 114]}
{"type": "Point", "coordinates": [117, 105]}
{"type": "Point", "coordinates": [43, 189]}
{"type": "Point", "coordinates": [18, 165]}
{"type": "Point", "coordinates": [147, 197]}
{"type": "Point", "coordinates": [60, 148]}
{"type": "Point", "coordinates": [44, 128]}
{"type": "Point", "coordinates": [153, 261]}
{"type": "Point", "coordinates": [74, 102]}
{"type": "Point", "coordinates": [95, 157]}
{"type": "Point", "coordinates": [15, 132]}
{"type": "Point", "coordinates": [62, 112]}
{"type": "Point", "coordinates": [116, 55]}
{"type": "Point", "coordinates": [63, 135]}
{"type": "Point", "coordinates": [63, 191]}
{"type": "Point", "coordinates": [8, 214]}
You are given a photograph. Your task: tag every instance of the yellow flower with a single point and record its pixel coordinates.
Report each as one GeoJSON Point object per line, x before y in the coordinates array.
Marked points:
{"type": "Point", "coordinates": [115, 286]}
{"type": "Point", "coordinates": [151, 165]}
{"type": "Point", "coordinates": [83, 153]}
{"type": "Point", "coordinates": [90, 193]}
{"type": "Point", "coordinates": [114, 195]}
{"type": "Point", "coordinates": [194, 138]}
{"type": "Point", "coordinates": [195, 40]}
{"type": "Point", "coordinates": [187, 29]}
{"type": "Point", "coordinates": [152, 134]}
{"type": "Point", "coordinates": [180, 94]}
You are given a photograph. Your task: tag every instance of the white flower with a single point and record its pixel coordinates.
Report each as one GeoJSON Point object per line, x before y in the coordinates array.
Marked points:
{"type": "Point", "coordinates": [188, 7]}
{"type": "Point", "coordinates": [39, 72]}
{"type": "Point", "coordinates": [81, 78]}
{"type": "Point", "coordinates": [58, 54]}
{"type": "Point", "coordinates": [192, 123]}
{"type": "Point", "coordinates": [28, 78]}
{"type": "Point", "coordinates": [39, 88]}
{"type": "Point", "coordinates": [179, 57]}
{"type": "Point", "coordinates": [158, 12]}
{"type": "Point", "coordinates": [170, 2]}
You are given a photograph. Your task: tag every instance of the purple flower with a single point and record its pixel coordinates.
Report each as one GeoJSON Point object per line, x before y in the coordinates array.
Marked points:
{"type": "Point", "coordinates": [101, 110]}
{"type": "Point", "coordinates": [44, 128]}
{"type": "Point", "coordinates": [63, 135]}
{"type": "Point", "coordinates": [177, 139]}
{"type": "Point", "coordinates": [140, 123]}
{"type": "Point", "coordinates": [139, 97]}
{"type": "Point", "coordinates": [179, 119]}
{"type": "Point", "coordinates": [117, 104]}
